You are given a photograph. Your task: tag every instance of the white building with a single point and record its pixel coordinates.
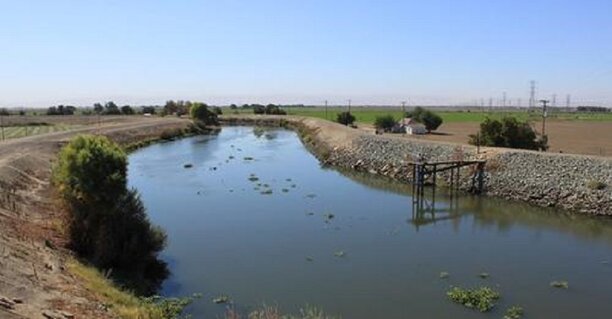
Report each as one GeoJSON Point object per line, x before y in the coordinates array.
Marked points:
{"type": "Point", "coordinates": [410, 126]}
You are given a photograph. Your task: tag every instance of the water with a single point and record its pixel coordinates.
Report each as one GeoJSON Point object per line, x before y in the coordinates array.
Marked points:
{"type": "Point", "coordinates": [225, 237]}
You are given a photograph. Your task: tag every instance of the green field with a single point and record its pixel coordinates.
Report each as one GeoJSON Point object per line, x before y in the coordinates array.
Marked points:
{"type": "Point", "coordinates": [369, 114]}
{"type": "Point", "coordinates": [28, 130]}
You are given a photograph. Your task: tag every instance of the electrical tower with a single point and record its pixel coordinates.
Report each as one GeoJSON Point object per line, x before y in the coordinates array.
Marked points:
{"type": "Point", "coordinates": [532, 94]}
{"type": "Point", "coordinates": [568, 102]}
{"type": "Point", "coordinates": [554, 100]}
{"type": "Point", "coordinates": [504, 99]}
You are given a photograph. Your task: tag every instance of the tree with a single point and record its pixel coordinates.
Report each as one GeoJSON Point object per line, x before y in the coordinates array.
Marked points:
{"type": "Point", "coordinates": [127, 110]}
{"type": "Point", "coordinates": [110, 108]}
{"type": "Point", "coordinates": [345, 118]}
{"type": "Point", "coordinates": [428, 118]}
{"type": "Point", "coordinates": [509, 132]}
{"type": "Point", "coordinates": [259, 109]}
{"type": "Point", "coordinates": [233, 106]}
{"type": "Point", "coordinates": [274, 109]}
{"type": "Point", "coordinates": [108, 224]}
{"type": "Point", "coordinates": [98, 108]}
{"type": "Point", "coordinates": [200, 113]}
{"type": "Point", "coordinates": [385, 122]}
{"type": "Point", "coordinates": [4, 112]}
{"type": "Point", "coordinates": [218, 110]}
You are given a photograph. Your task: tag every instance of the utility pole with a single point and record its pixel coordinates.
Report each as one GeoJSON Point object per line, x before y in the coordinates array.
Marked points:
{"type": "Point", "coordinates": [2, 125]}
{"type": "Point", "coordinates": [349, 105]}
{"type": "Point", "coordinates": [326, 110]}
{"type": "Point", "coordinates": [532, 95]}
{"type": "Point", "coordinates": [544, 115]}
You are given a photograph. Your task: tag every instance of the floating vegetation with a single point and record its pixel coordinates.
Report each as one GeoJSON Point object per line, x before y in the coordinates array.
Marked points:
{"type": "Point", "coordinates": [189, 165]}
{"type": "Point", "coordinates": [231, 190]}
{"type": "Point", "coordinates": [328, 217]}
{"type": "Point", "coordinates": [247, 158]}
{"type": "Point", "coordinates": [221, 299]}
{"type": "Point", "coordinates": [311, 196]}
{"type": "Point", "coordinates": [266, 192]}
{"type": "Point", "coordinates": [231, 157]}
{"type": "Point", "coordinates": [308, 258]}
{"type": "Point", "coordinates": [482, 298]}
{"type": "Point", "coordinates": [253, 178]}
{"type": "Point", "coordinates": [256, 188]}
{"type": "Point", "coordinates": [514, 312]}
{"type": "Point", "coordinates": [340, 254]}
{"type": "Point", "coordinates": [285, 190]}
{"type": "Point", "coordinates": [309, 213]}
{"type": "Point", "coordinates": [483, 275]}
{"type": "Point", "coordinates": [288, 179]}
{"type": "Point", "coordinates": [293, 186]}
{"type": "Point", "coordinates": [560, 284]}
{"type": "Point", "coordinates": [266, 185]}
{"type": "Point", "coordinates": [444, 275]}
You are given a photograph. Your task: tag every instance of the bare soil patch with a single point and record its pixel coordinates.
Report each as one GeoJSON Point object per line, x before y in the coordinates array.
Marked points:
{"type": "Point", "coordinates": [574, 137]}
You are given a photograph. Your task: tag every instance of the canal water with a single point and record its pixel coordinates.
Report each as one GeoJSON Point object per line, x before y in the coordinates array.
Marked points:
{"type": "Point", "coordinates": [257, 218]}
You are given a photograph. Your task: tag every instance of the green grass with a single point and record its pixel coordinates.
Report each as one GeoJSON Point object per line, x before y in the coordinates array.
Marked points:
{"type": "Point", "coordinates": [369, 114]}
{"type": "Point", "coordinates": [28, 130]}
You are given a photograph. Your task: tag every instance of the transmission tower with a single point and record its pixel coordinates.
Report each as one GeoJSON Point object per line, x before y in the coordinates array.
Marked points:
{"type": "Point", "coordinates": [568, 102]}
{"type": "Point", "coordinates": [532, 94]}
{"type": "Point", "coordinates": [504, 99]}
{"type": "Point", "coordinates": [554, 100]}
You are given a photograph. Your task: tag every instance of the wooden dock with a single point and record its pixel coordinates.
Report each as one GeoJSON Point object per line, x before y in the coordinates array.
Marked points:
{"type": "Point", "coordinates": [425, 174]}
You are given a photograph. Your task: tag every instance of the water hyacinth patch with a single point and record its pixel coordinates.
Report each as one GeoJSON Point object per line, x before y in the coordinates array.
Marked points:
{"type": "Point", "coordinates": [482, 298]}
{"type": "Point", "coordinates": [514, 312]}
{"type": "Point", "coordinates": [560, 284]}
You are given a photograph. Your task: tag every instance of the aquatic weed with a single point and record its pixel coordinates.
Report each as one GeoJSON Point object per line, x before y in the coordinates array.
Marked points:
{"type": "Point", "coordinates": [560, 284]}
{"type": "Point", "coordinates": [514, 312]}
{"type": "Point", "coordinates": [482, 298]}
{"type": "Point", "coordinates": [444, 275]}
{"type": "Point", "coordinates": [221, 299]}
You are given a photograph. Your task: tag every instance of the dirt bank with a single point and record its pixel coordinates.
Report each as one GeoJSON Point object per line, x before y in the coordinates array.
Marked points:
{"type": "Point", "coordinates": [34, 281]}
{"type": "Point", "coordinates": [571, 182]}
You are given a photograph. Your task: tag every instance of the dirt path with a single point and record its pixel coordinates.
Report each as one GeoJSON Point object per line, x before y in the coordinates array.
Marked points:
{"type": "Point", "coordinates": [33, 278]}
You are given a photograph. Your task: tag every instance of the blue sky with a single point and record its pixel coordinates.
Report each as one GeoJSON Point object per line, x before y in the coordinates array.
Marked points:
{"type": "Point", "coordinates": [373, 52]}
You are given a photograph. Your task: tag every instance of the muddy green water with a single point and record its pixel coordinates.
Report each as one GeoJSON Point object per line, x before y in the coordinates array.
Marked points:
{"type": "Point", "coordinates": [226, 237]}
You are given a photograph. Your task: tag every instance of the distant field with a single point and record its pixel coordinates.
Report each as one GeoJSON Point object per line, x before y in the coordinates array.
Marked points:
{"type": "Point", "coordinates": [369, 114]}
{"type": "Point", "coordinates": [28, 130]}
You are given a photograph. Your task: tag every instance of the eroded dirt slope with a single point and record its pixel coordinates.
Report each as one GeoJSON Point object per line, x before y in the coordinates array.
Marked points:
{"type": "Point", "coordinates": [34, 282]}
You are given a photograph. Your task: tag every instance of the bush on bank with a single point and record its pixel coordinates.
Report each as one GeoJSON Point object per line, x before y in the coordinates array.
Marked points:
{"type": "Point", "coordinates": [108, 225]}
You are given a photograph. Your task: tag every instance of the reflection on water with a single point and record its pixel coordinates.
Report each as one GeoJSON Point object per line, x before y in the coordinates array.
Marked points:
{"type": "Point", "coordinates": [353, 243]}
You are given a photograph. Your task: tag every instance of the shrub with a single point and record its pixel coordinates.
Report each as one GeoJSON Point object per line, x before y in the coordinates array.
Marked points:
{"type": "Point", "coordinates": [428, 118]}
{"type": "Point", "coordinates": [218, 110]}
{"type": "Point", "coordinates": [386, 122]}
{"type": "Point", "coordinates": [508, 132]}
{"type": "Point", "coordinates": [345, 118]}
{"type": "Point", "coordinates": [200, 113]}
{"type": "Point", "coordinates": [108, 224]}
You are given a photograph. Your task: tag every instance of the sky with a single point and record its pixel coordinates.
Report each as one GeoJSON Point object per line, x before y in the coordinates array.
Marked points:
{"type": "Point", "coordinates": [308, 51]}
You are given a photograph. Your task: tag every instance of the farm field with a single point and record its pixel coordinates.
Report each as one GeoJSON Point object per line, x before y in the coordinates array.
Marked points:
{"type": "Point", "coordinates": [369, 114]}
{"type": "Point", "coordinates": [28, 130]}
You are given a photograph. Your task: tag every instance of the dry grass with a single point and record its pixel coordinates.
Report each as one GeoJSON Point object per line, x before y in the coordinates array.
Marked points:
{"type": "Point", "coordinates": [124, 304]}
